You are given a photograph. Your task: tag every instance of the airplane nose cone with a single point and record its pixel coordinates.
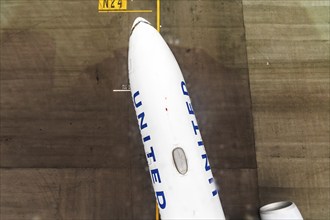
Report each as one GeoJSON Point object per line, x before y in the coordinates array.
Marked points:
{"type": "Point", "coordinates": [139, 20]}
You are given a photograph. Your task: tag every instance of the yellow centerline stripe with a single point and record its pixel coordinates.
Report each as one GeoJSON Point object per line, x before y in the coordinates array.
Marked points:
{"type": "Point", "coordinates": [158, 15]}
{"type": "Point", "coordinates": [157, 212]}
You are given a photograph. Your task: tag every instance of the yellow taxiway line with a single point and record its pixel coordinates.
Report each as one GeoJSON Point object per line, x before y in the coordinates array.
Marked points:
{"type": "Point", "coordinates": [158, 15]}
{"type": "Point", "coordinates": [127, 11]}
{"type": "Point", "coordinates": [157, 211]}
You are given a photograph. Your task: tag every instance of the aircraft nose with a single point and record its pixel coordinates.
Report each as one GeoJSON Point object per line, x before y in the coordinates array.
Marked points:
{"type": "Point", "coordinates": [137, 21]}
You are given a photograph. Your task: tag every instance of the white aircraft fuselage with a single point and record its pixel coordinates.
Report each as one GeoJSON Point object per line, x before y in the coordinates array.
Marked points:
{"type": "Point", "coordinates": [179, 167]}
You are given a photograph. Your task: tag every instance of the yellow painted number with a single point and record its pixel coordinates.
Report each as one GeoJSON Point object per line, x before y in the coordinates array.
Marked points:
{"type": "Point", "coordinates": [110, 5]}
